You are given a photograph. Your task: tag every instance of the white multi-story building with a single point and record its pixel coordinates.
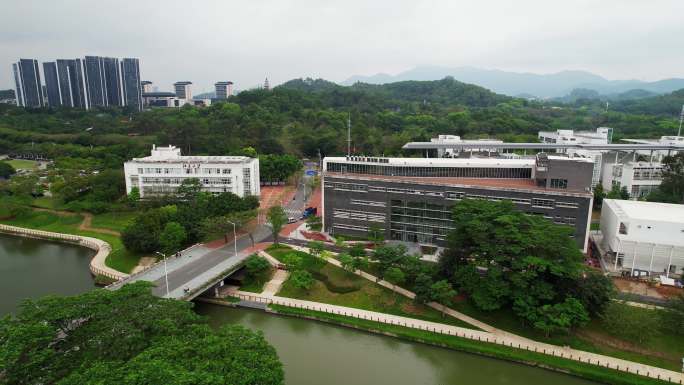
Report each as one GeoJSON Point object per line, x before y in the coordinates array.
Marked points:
{"type": "Point", "coordinates": [223, 90]}
{"type": "Point", "coordinates": [658, 155]}
{"type": "Point", "coordinates": [645, 236]}
{"type": "Point", "coordinates": [601, 136]}
{"type": "Point", "coordinates": [639, 178]}
{"type": "Point", "coordinates": [165, 169]}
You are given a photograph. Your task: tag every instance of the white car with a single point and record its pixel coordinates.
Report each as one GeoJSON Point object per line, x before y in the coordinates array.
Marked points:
{"type": "Point", "coordinates": [291, 220]}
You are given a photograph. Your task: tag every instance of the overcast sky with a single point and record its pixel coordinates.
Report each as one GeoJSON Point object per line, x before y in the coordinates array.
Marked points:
{"type": "Point", "coordinates": [246, 41]}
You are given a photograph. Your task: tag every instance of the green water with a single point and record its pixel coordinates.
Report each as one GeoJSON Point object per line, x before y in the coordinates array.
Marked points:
{"type": "Point", "coordinates": [32, 268]}
{"type": "Point", "coordinates": [315, 353]}
{"type": "Point", "coordinates": [312, 353]}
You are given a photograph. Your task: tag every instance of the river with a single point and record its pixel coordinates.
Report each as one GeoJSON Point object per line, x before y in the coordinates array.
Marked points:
{"type": "Point", "coordinates": [312, 352]}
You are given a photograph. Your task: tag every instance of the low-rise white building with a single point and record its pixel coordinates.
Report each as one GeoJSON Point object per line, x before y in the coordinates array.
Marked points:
{"type": "Point", "coordinates": [643, 236]}
{"type": "Point", "coordinates": [639, 178]}
{"type": "Point", "coordinates": [457, 141]}
{"type": "Point", "coordinates": [165, 169]}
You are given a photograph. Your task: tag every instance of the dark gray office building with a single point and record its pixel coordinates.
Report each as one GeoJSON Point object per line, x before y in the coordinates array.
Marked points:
{"type": "Point", "coordinates": [130, 79]}
{"type": "Point", "coordinates": [54, 98]}
{"type": "Point", "coordinates": [103, 81]}
{"type": "Point", "coordinates": [411, 198]}
{"type": "Point", "coordinates": [28, 86]}
{"type": "Point", "coordinates": [72, 88]}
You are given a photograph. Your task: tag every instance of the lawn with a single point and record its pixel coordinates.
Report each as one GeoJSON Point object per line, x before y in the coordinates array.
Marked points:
{"type": "Point", "coordinates": [48, 203]}
{"type": "Point", "coordinates": [23, 164]}
{"type": "Point", "coordinates": [116, 221]}
{"type": "Point", "coordinates": [255, 284]}
{"type": "Point", "coordinates": [337, 286]}
{"type": "Point", "coordinates": [119, 259]}
{"type": "Point", "coordinates": [593, 338]}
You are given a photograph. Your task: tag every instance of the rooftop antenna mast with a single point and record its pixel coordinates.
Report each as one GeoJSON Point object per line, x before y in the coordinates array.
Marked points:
{"type": "Point", "coordinates": [681, 118]}
{"type": "Point", "coordinates": [349, 134]}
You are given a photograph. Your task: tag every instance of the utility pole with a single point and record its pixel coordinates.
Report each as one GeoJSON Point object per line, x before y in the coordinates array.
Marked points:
{"type": "Point", "coordinates": [349, 135]}
{"type": "Point", "coordinates": [681, 117]}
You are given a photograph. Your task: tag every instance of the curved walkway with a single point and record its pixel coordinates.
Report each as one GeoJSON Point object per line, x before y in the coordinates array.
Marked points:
{"type": "Point", "coordinates": [97, 263]}
{"type": "Point", "coordinates": [490, 333]}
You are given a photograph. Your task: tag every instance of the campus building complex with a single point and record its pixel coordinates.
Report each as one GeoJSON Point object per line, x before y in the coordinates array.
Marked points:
{"type": "Point", "coordinates": [643, 237]}
{"type": "Point", "coordinates": [165, 169]}
{"type": "Point", "coordinates": [411, 198]}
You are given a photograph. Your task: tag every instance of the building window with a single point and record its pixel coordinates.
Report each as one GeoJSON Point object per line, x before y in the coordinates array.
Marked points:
{"type": "Point", "coordinates": [543, 203]}
{"type": "Point", "coordinates": [559, 183]}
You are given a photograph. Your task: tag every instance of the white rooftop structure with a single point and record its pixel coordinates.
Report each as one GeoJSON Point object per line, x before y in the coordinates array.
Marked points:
{"type": "Point", "coordinates": [456, 140]}
{"type": "Point", "coordinates": [436, 162]}
{"type": "Point", "coordinates": [646, 236]}
{"type": "Point", "coordinates": [602, 135]}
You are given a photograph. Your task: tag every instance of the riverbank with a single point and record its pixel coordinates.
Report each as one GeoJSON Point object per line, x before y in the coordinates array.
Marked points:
{"type": "Point", "coordinates": [587, 371]}
{"type": "Point", "coordinates": [97, 263]}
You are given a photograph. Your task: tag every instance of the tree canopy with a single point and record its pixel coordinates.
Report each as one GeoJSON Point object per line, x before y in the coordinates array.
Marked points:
{"type": "Point", "coordinates": [128, 337]}
{"type": "Point", "coordinates": [502, 257]}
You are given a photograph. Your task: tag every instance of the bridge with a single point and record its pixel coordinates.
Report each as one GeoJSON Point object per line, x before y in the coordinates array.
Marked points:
{"type": "Point", "coordinates": [197, 268]}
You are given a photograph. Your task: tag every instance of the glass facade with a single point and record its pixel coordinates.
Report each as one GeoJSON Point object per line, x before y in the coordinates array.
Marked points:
{"type": "Point", "coordinates": [31, 88]}
{"type": "Point", "coordinates": [429, 171]}
{"type": "Point", "coordinates": [72, 89]}
{"type": "Point", "coordinates": [130, 73]}
{"type": "Point", "coordinates": [422, 222]}
{"type": "Point", "coordinates": [54, 98]}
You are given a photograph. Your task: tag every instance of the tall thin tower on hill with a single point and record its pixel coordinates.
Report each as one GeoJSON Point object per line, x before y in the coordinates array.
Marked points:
{"type": "Point", "coordinates": [267, 87]}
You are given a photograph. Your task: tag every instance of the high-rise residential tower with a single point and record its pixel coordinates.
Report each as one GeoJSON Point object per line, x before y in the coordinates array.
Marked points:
{"type": "Point", "coordinates": [54, 98]}
{"type": "Point", "coordinates": [27, 80]}
{"type": "Point", "coordinates": [103, 81]}
{"type": "Point", "coordinates": [72, 89]}
{"type": "Point", "coordinates": [183, 90]}
{"type": "Point", "coordinates": [130, 79]}
{"type": "Point", "coordinates": [224, 90]}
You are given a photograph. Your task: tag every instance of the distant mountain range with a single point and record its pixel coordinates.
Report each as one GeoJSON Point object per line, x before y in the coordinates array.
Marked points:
{"type": "Point", "coordinates": [530, 85]}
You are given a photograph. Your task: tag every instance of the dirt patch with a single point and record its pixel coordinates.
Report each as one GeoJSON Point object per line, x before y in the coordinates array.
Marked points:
{"type": "Point", "coordinates": [143, 263]}
{"type": "Point", "coordinates": [87, 222]}
{"type": "Point", "coordinates": [411, 308]}
{"type": "Point", "coordinates": [636, 287]}
{"type": "Point", "coordinates": [602, 339]}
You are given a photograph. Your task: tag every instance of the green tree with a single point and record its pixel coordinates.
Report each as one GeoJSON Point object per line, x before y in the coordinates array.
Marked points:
{"type": "Point", "coordinates": [671, 189]}
{"type": "Point", "coordinates": [134, 195]}
{"type": "Point", "coordinates": [618, 193]}
{"type": "Point", "coordinates": [128, 336]}
{"type": "Point", "coordinates": [376, 234]}
{"type": "Point", "coordinates": [277, 218]}
{"type": "Point", "coordinates": [561, 317]}
{"type": "Point", "coordinates": [501, 256]}
{"type": "Point", "coordinates": [6, 170]}
{"type": "Point", "coordinates": [292, 261]}
{"type": "Point", "coordinates": [599, 194]}
{"type": "Point", "coordinates": [302, 279]}
{"type": "Point", "coordinates": [346, 261]}
{"type": "Point", "coordinates": [316, 248]}
{"type": "Point", "coordinates": [395, 276]}
{"type": "Point", "coordinates": [388, 256]}
{"type": "Point", "coordinates": [172, 237]}
{"type": "Point", "coordinates": [256, 264]}
{"type": "Point", "coordinates": [423, 288]}
{"type": "Point", "coordinates": [314, 223]}
{"type": "Point", "coordinates": [443, 293]}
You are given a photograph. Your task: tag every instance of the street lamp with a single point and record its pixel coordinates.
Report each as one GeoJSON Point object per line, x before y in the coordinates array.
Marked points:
{"type": "Point", "coordinates": [234, 238]}
{"type": "Point", "coordinates": [166, 273]}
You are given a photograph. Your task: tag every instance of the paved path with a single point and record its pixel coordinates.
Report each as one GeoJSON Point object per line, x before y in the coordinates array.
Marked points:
{"type": "Point", "coordinates": [506, 340]}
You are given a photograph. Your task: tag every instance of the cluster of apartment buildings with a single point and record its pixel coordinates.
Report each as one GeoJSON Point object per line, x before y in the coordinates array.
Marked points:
{"type": "Point", "coordinates": [97, 81]}
{"type": "Point", "coordinates": [182, 95]}
{"type": "Point", "coordinates": [94, 81]}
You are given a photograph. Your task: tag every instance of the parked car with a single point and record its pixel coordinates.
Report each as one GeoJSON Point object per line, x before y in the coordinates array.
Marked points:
{"type": "Point", "coordinates": [291, 220]}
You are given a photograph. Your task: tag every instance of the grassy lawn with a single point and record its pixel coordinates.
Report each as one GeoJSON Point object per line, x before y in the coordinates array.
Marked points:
{"type": "Point", "coordinates": [116, 221]}
{"type": "Point", "coordinates": [337, 286]}
{"type": "Point", "coordinates": [592, 372]}
{"type": "Point", "coordinates": [48, 203]}
{"type": "Point", "coordinates": [119, 259]}
{"type": "Point", "coordinates": [255, 284]}
{"type": "Point", "coordinates": [662, 351]}
{"type": "Point", "coordinates": [23, 164]}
